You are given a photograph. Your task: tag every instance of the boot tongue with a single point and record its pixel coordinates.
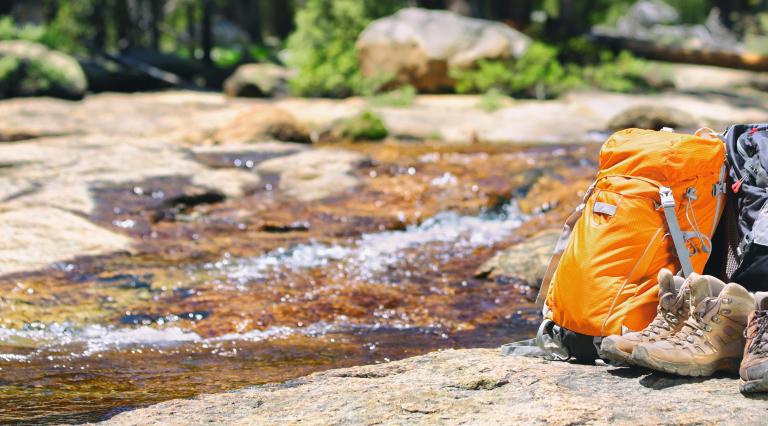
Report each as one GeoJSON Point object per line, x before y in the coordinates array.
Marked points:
{"type": "Point", "coordinates": [667, 289]}
{"type": "Point", "coordinates": [703, 287]}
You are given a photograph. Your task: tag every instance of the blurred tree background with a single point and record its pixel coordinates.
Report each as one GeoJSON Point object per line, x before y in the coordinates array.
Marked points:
{"type": "Point", "coordinates": [201, 42]}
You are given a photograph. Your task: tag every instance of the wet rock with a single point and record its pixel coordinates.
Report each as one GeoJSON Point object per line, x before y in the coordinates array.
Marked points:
{"type": "Point", "coordinates": [419, 46]}
{"type": "Point", "coordinates": [275, 227]}
{"type": "Point", "coordinates": [475, 386]}
{"type": "Point", "coordinates": [258, 81]}
{"type": "Point", "coordinates": [174, 206]}
{"type": "Point", "coordinates": [31, 69]}
{"type": "Point", "coordinates": [652, 117]}
{"type": "Point", "coordinates": [312, 175]}
{"type": "Point", "coordinates": [35, 237]}
{"type": "Point", "coordinates": [526, 261]}
{"type": "Point", "coordinates": [262, 123]}
{"type": "Point", "coordinates": [231, 182]}
{"type": "Point", "coordinates": [245, 156]}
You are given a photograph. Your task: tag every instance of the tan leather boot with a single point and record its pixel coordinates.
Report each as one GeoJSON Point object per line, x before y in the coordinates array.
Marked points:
{"type": "Point", "coordinates": [673, 309]}
{"type": "Point", "coordinates": [754, 366]}
{"type": "Point", "coordinates": [710, 340]}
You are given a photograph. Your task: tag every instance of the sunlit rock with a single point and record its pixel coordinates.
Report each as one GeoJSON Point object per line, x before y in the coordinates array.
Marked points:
{"type": "Point", "coordinates": [476, 386]}
{"type": "Point", "coordinates": [262, 123]}
{"type": "Point", "coordinates": [315, 174]}
{"type": "Point", "coordinates": [419, 46]}
{"type": "Point", "coordinates": [34, 237]}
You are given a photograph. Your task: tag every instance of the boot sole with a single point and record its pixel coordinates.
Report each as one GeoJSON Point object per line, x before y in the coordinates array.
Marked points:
{"type": "Point", "coordinates": [641, 357]}
{"type": "Point", "coordinates": [752, 386]}
{"type": "Point", "coordinates": [616, 356]}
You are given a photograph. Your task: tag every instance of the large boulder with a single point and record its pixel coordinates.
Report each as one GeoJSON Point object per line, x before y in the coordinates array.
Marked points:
{"type": "Point", "coordinates": [31, 69]}
{"type": "Point", "coordinates": [419, 46]}
{"type": "Point", "coordinates": [470, 386]}
{"type": "Point", "coordinates": [260, 124]}
{"type": "Point", "coordinates": [652, 117]}
{"type": "Point", "coordinates": [258, 81]}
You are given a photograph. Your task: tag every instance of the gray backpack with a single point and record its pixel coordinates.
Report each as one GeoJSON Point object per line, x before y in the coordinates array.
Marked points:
{"type": "Point", "coordinates": [746, 222]}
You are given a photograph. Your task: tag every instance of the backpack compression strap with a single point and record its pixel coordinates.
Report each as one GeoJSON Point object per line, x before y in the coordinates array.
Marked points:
{"type": "Point", "coordinates": [562, 242]}
{"type": "Point", "coordinates": [668, 204]}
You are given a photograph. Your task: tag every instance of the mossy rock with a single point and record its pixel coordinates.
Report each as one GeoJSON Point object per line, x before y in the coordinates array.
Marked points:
{"type": "Point", "coordinates": [31, 69]}
{"type": "Point", "coordinates": [366, 126]}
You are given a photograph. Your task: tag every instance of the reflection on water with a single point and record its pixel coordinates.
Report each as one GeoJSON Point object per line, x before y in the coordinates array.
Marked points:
{"type": "Point", "coordinates": [90, 338]}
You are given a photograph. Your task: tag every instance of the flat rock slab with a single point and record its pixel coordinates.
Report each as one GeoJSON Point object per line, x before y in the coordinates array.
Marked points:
{"type": "Point", "coordinates": [476, 386]}
{"type": "Point", "coordinates": [37, 236]}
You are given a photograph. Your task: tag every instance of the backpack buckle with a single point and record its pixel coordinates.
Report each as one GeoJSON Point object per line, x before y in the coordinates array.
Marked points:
{"type": "Point", "coordinates": [718, 188]}
{"type": "Point", "coordinates": [667, 198]}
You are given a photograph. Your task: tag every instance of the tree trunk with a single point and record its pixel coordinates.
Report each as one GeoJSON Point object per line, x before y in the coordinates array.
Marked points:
{"type": "Point", "coordinates": [155, 18]}
{"type": "Point", "coordinates": [207, 27]}
{"type": "Point", "coordinates": [191, 33]}
{"type": "Point", "coordinates": [249, 17]}
{"type": "Point", "coordinates": [98, 20]}
{"type": "Point", "coordinates": [283, 18]}
{"type": "Point", "coordinates": [123, 25]}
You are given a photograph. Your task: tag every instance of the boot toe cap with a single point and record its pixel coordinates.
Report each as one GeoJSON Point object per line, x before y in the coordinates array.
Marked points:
{"type": "Point", "coordinates": [755, 371]}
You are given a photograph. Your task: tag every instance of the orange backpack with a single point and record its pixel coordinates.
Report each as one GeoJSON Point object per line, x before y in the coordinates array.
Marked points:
{"type": "Point", "coordinates": [655, 203]}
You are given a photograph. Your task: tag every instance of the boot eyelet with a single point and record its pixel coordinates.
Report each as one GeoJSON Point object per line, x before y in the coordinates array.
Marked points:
{"type": "Point", "coordinates": [725, 311]}
{"type": "Point", "coordinates": [707, 327]}
{"type": "Point", "coordinates": [716, 319]}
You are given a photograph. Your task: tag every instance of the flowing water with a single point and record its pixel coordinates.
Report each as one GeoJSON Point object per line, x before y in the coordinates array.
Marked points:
{"type": "Point", "coordinates": [213, 302]}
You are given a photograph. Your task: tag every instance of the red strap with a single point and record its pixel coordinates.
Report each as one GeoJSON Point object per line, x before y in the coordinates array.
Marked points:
{"type": "Point", "coordinates": [737, 185]}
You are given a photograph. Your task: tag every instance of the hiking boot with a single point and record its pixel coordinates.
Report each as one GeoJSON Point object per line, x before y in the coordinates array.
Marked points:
{"type": "Point", "coordinates": [673, 309]}
{"type": "Point", "coordinates": [711, 339]}
{"type": "Point", "coordinates": [754, 366]}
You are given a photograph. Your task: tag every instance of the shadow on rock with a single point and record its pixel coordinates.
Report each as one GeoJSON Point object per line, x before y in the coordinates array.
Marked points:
{"type": "Point", "coordinates": [627, 372]}
{"type": "Point", "coordinates": [659, 381]}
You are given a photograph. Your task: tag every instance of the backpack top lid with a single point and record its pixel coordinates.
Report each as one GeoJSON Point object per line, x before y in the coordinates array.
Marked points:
{"type": "Point", "coordinates": [665, 157]}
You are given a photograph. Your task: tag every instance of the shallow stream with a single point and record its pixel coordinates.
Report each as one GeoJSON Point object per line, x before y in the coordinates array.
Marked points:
{"type": "Point", "coordinates": [227, 294]}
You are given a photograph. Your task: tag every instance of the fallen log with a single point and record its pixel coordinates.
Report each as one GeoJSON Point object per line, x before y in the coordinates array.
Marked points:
{"type": "Point", "coordinates": [647, 49]}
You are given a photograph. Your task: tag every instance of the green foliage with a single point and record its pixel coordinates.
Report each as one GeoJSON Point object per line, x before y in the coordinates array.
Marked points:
{"type": "Point", "coordinates": [322, 49]}
{"type": "Point", "coordinates": [544, 71]}
{"type": "Point", "coordinates": [226, 57]}
{"type": "Point", "coordinates": [69, 30]}
{"type": "Point", "coordinates": [400, 97]}
{"type": "Point", "coordinates": [624, 73]}
{"type": "Point", "coordinates": [366, 126]}
{"type": "Point", "coordinates": [492, 100]}
{"type": "Point", "coordinates": [10, 31]}
{"type": "Point", "coordinates": [538, 72]}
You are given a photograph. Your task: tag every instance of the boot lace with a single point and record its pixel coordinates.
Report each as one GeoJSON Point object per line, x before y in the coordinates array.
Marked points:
{"type": "Point", "coordinates": [698, 323]}
{"type": "Point", "coordinates": [667, 317]}
{"type": "Point", "coordinates": [759, 322]}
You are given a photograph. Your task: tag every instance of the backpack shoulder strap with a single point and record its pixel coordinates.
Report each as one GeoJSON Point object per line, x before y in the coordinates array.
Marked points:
{"type": "Point", "coordinates": [668, 204]}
